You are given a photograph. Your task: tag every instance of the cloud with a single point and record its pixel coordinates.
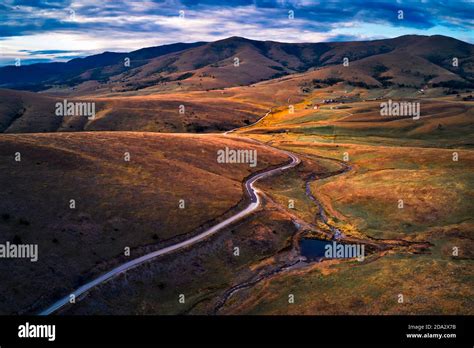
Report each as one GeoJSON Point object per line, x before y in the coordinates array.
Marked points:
{"type": "Point", "coordinates": [46, 51]}
{"type": "Point", "coordinates": [28, 29]}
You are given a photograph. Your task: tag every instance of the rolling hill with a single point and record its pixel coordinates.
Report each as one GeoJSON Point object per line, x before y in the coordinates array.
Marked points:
{"type": "Point", "coordinates": [217, 94]}
{"type": "Point", "coordinates": [29, 112]}
{"type": "Point", "coordinates": [98, 67]}
{"type": "Point", "coordinates": [238, 61]}
{"type": "Point", "coordinates": [120, 203]}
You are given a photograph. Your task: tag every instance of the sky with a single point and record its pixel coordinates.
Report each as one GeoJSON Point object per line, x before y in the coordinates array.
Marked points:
{"type": "Point", "coordinates": [36, 31]}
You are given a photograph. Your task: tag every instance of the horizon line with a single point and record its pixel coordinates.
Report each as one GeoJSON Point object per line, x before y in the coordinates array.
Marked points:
{"type": "Point", "coordinates": [35, 62]}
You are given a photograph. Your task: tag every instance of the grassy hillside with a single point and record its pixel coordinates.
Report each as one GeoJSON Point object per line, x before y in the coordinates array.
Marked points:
{"type": "Point", "coordinates": [238, 61]}
{"type": "Point", "coordinates": [364, 203]}
{"type": "Point", "coordinates": [27, 112]}
{"type": "Point", "coordinates": [353, 115]}
{"type": "Point", "coordinates": [118, 203]}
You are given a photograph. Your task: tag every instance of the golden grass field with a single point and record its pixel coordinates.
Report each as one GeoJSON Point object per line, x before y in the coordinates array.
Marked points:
{"type": "Point", "coordinates": [437, 196]}
{"type": "Point", "coordinates": [432, 280]}
{"type": "Point", "coordinates": [118, 203]}
{"type": "Point", "coordinates": [387, 164]}
{"type": "Point", "coordinates": [390, 159]}
{"type": "Point", "coordinates": [170, 110]}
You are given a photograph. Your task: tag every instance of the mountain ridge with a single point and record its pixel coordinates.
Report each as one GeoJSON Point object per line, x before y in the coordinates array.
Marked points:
{"type": "Point", "coordinates": [238, 61]}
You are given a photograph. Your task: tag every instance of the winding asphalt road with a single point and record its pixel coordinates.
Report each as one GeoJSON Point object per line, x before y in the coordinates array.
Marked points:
{"type": "Point", "coordinates": [255, 202]}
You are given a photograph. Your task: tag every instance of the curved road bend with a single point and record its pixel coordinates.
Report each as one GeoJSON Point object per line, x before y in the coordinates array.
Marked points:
{"type": "Point", "coordinates": [250, 125]}
{"type": "Point", "coordinates": [255, 202]}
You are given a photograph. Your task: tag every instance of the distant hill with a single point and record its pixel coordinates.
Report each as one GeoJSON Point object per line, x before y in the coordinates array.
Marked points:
{"type": "Point", "coordinates": [99, 67]}
{"type": "Point", "coordinates": [217, 94]}
{"type": "Point", "coordinates": [29, 112]}
{"type": "Point", "coordinates": [410, 60]}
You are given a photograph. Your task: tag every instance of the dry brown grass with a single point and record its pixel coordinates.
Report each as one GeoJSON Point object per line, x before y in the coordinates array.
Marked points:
{"type": "Point", "coordinates": [437, 195]}
{"type": "Point", "coordinates": [118, 203]}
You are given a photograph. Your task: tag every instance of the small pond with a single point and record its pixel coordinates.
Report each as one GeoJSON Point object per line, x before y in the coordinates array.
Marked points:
{"type": "Point", "coordinates": [313, 249]}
